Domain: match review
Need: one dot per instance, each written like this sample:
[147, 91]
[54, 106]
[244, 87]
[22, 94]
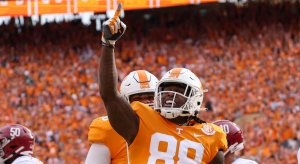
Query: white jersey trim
[27, 160]
[243, 161]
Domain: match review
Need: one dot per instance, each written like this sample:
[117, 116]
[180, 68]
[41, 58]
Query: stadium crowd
[247, 57]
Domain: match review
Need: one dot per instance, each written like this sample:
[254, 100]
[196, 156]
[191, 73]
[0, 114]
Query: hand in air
[113, 29]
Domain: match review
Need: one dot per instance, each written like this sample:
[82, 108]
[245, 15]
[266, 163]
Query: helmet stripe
[144, 81]
[175, 72]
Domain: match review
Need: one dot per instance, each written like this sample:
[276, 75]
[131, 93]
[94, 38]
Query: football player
[235, 141]
[172, 133]
[107, 145]
[16, 145]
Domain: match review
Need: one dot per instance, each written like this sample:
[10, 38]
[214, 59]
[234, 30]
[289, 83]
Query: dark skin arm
[121, 116]
[218, 159]
[229, 158]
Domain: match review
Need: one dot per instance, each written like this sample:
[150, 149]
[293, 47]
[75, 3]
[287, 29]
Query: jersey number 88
[170, 148]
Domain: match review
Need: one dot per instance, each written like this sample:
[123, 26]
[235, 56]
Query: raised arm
[121, 116]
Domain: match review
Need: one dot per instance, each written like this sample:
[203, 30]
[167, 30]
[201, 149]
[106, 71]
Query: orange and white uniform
[102, 132]
[161, 141]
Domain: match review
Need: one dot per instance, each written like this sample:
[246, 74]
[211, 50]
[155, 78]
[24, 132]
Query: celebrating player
[168, 135]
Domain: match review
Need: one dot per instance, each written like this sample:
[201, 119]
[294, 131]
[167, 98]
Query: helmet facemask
[234, 148]
[193, 96]
[3, 142]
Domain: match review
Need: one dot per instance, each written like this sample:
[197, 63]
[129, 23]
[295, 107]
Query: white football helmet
[193, 93]
[140, 81]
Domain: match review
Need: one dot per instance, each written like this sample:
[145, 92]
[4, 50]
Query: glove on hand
[113, 29]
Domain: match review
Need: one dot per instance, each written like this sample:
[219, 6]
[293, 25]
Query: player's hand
[113, 29]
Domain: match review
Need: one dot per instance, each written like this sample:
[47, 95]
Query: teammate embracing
[107, 145]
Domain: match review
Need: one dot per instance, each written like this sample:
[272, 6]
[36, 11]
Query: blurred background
[247, 54]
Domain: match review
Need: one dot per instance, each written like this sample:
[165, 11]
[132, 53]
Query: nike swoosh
[198, 135]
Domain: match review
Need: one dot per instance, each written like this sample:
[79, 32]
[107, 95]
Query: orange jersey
[102, 132]
[161, 141]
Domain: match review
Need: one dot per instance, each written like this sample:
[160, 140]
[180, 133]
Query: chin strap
[194, 119]
[187, 123]
[10, 156]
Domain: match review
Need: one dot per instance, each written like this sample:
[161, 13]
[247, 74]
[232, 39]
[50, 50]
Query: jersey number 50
[171, 146]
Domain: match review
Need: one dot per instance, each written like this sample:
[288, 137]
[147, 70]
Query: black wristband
[108, 45]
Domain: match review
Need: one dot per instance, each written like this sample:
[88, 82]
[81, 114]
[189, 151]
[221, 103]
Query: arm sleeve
[98, 153]
[298, 156]
[26, 160]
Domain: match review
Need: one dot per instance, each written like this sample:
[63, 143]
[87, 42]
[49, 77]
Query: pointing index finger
[118, 11]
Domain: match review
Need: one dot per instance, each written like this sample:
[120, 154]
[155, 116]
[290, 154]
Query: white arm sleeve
[243, 161]
[98, 153]
[298, 156]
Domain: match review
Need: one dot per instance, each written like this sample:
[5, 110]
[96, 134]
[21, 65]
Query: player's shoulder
[27, 160]
[100, 122]
[101, 132]
[137, 106]
[100, 129]
[210, 129]
[146, 113]
[215, 136]
[218, 129]
[243, 161]
[141, 108]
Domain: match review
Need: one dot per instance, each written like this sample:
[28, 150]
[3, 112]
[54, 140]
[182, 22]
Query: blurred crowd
[247, 57]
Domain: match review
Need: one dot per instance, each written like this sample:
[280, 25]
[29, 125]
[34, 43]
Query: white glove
[113, 29]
